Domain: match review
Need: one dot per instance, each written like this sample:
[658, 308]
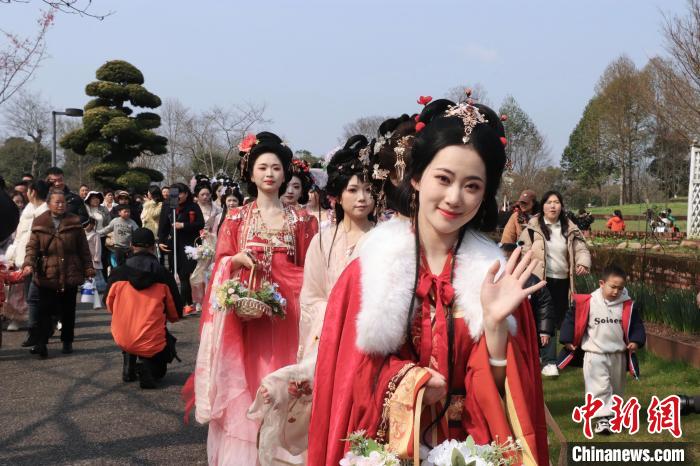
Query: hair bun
[434, 109]
[356, 143]
[266, 137]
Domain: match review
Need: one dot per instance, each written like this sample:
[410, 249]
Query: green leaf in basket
[457, 458]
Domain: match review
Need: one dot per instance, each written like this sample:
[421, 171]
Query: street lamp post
[73, 112]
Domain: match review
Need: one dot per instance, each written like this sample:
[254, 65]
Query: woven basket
[250, 308]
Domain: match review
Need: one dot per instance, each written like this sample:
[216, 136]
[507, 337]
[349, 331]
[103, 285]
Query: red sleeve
[336, 365]
[227, 239]
[486, 417]
[305, 231]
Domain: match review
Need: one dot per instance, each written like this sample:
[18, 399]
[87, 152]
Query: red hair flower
[419, 126]
[247, 143]
[504, 141]
[424, 99]
[504, 117]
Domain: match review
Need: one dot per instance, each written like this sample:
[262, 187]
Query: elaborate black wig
[441, 131]
[300, 169]
[267, 142]
[345, 164]
[390, 134]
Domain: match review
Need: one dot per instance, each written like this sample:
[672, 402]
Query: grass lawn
[678, 208]
[658, 377]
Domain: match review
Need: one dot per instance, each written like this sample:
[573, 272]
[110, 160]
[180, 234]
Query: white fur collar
[387, 259]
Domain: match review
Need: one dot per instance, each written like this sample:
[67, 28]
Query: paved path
[75, 409]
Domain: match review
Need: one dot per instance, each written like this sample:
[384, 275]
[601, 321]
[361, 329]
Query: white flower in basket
[249, 303]
[367, 452]
[201, 251]
[468, 453]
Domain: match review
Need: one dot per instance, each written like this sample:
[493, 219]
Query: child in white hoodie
[607, 327]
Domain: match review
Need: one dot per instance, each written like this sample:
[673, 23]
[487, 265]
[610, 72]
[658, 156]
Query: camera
[690, 404]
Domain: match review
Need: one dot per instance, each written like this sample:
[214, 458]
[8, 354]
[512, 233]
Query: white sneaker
[602, 427]
[550, 370]
[12, 326]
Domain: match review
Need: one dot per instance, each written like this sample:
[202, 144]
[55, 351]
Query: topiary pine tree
[111, 134]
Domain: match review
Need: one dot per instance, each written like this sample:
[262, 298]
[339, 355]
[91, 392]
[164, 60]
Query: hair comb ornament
[469, 114]
[381, 140]
[400, 151]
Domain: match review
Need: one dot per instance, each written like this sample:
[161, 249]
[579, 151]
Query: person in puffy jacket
[142, 296]
[616, 223]
[58, 256]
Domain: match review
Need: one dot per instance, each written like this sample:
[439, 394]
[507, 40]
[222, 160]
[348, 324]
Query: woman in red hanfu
[235, 355]
[421, 319]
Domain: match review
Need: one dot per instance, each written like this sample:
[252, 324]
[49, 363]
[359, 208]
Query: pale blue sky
[320, 64]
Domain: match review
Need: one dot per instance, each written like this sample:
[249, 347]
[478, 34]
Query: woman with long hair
[210, 210]
[422, 310]
[268, 241]
[561, 249]
[286, 393]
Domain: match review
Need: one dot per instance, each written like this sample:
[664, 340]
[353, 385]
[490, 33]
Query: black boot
[31, 339]
[129, 370]
[67, 347]
[146, 379]
[41, 350]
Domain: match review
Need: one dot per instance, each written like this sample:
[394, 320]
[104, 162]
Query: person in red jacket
[616, 223]
[142, 296]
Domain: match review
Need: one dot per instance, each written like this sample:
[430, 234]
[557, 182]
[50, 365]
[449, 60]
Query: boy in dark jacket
[607, 327]
[141, 296]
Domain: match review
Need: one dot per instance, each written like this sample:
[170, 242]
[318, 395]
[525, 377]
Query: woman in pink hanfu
[234, 355]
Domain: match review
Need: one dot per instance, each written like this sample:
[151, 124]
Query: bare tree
[27, 115]
[478, 93]
[678, 75]
[20, 57]
[211, 139]
[366, 126]
[76, 7]
[174, 120]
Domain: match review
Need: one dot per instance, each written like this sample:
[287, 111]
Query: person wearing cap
[526, 207]
[121, 228]
[142, 296]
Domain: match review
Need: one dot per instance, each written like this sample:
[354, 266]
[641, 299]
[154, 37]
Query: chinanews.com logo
[662, 415]
[629, 453]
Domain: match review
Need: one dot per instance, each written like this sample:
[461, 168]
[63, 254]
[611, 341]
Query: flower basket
[248, 303]
[202, 250]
